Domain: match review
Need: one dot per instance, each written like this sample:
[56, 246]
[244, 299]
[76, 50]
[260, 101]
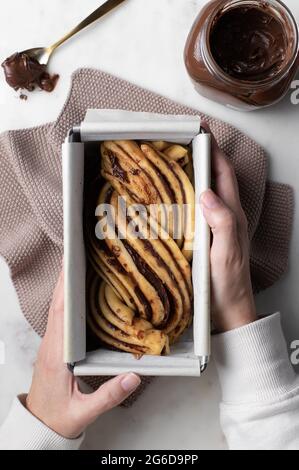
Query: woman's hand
[54, 397]
[232, 297]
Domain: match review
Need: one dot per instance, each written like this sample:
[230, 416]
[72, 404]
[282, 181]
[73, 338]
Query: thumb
[111, 394]
[221, 220]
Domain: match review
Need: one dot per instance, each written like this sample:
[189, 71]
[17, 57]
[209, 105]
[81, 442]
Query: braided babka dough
[139, 287]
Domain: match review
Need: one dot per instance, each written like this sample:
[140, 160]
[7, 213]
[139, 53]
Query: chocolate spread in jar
[249, 43]
[243, 54]
[25, 73]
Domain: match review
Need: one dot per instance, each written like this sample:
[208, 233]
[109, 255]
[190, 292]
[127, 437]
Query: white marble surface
[142, 42]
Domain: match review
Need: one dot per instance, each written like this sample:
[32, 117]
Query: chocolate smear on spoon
[26, 73]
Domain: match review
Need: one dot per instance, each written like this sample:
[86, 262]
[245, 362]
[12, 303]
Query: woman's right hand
[55, 397]
[232, 296]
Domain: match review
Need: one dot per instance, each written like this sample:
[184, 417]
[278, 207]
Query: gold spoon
[43, 54]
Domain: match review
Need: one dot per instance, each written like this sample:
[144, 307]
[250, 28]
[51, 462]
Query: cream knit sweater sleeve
[22, 431]
[260, 390]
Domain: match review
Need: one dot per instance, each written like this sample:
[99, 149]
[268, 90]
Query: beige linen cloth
[31, 235]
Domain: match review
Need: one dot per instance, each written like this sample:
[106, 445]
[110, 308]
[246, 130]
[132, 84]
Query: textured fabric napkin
[31, 233]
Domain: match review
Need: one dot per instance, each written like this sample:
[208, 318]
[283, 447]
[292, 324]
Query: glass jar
[243, 54]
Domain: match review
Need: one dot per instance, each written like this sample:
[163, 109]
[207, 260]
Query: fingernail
[130, 382]
[210, 200]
